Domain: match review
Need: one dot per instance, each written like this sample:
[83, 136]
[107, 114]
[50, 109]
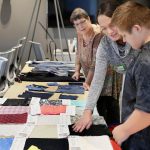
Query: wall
[19, 13]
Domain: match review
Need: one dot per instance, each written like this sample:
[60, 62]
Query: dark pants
[108, 107]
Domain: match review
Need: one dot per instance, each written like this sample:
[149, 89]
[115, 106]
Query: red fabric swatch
[13, 118]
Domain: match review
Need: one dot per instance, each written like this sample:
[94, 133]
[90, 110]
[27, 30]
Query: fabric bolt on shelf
[52, 110]
[47, 144]
[13, 118]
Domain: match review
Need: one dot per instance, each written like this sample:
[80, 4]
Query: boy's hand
[120, 134]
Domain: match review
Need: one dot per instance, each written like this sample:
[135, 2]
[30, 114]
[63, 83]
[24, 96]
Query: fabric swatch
[35, 87]
[14, 109]
[33, 148]
[17, 102]
[5, 143]
[70, 89]
[52, 84]
[50, 102]
[71, 97]
[47, 144]
[13, 118]
[42, 95]
[94, 130]
[52, 110]
[44, 131]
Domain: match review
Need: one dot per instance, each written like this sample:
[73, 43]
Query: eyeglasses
[80, 23]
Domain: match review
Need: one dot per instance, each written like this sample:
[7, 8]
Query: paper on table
[25, 131]
[54, 119]
[64, 119]
[71, 110]
[32, 119]
[35, 100]
[35, 109]
[10, 129]
[90, 142]
[2, 100]
[18, 144]
[63, 131]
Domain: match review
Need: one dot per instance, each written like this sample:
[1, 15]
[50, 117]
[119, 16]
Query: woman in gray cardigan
[112, 50]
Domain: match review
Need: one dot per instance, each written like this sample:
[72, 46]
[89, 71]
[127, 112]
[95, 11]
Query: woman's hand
[84, 122]
[76, 76]
[86, 86]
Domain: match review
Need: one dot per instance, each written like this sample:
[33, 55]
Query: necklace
[88, 40]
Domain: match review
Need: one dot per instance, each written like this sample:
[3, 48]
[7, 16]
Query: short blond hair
[129, 14]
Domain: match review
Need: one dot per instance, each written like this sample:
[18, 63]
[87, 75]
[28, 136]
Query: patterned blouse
[86, 54]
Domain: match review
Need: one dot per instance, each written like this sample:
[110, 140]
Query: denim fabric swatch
[29, 94]
[5, 143]
[94, 130]
[35, 87]
[70, 89]
[71, 97]
[52, 84]
[17, 102]
[47, 144]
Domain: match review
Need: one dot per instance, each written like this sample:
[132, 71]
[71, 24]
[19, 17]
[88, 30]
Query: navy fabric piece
[47, 144]
[70, 89]
[71, 97]
[76, 83]
[29, 94]
[5, 143]
[17, 102]
[35, 87]
[52, 84]
[94, 130]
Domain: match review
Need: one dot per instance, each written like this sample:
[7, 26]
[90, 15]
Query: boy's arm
[137, 121]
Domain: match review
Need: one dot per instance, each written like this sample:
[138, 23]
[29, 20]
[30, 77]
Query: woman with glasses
[111, 51]
[89, 36]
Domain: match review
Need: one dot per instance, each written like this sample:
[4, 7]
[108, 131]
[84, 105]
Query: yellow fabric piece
[33, 148]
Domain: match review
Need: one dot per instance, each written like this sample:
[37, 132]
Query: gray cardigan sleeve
[99, 77]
